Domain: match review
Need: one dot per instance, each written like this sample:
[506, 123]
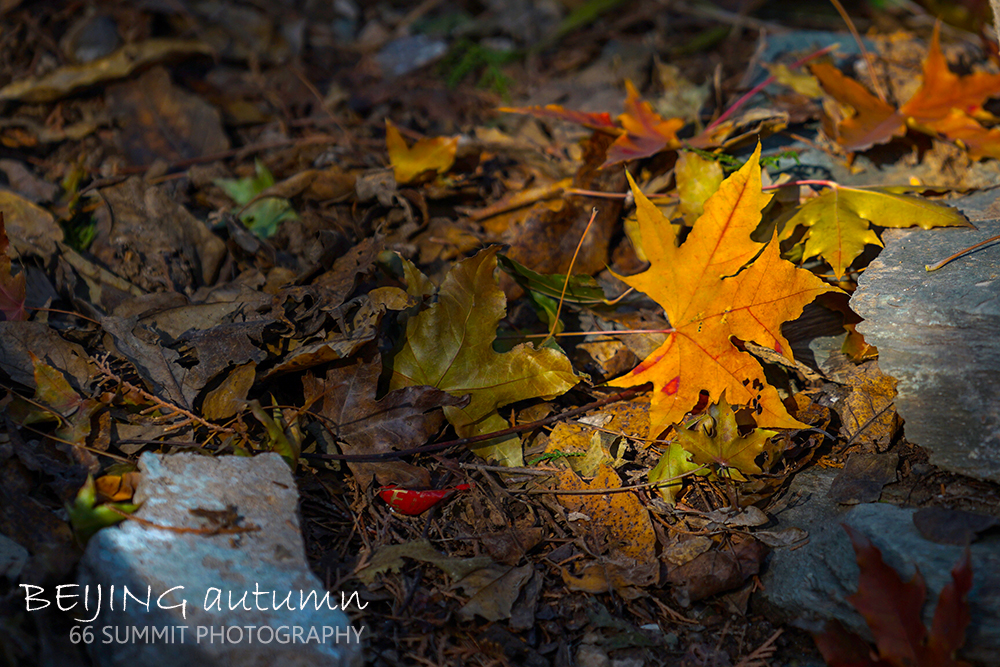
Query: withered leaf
[403, 418]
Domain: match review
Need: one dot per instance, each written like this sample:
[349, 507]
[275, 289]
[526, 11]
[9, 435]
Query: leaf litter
[363, 272]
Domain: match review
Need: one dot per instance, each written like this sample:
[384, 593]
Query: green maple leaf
[450, 346]
[724, 448]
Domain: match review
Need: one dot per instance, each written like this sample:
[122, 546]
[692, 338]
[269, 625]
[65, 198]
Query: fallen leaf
[618, 520]
[646, 132]
[944, 104]
[87, 517]
[698, 178]
[863, 477]
[595, 121]
[12, 287]
[131, 57]
[450, 346]
[409, 162]
[867, 414]
[717, 570]
[390, 559]
[261, 216]
[709, 301]
[838, 222]
[720, 445]
[892, 610]
[162, 121]
[494, 590]
[673, 463]
[402, 419]
[874, 121]
[946, 526]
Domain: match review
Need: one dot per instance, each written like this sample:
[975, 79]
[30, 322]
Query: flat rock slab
[243, 599]
[810, 584]
[937, 334]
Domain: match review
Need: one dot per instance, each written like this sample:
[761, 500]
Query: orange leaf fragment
[409, 162]
[874, 121]
[12, 288]
[717, 286]
[595, 121]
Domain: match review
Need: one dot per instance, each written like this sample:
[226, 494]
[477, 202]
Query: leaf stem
[865, 53]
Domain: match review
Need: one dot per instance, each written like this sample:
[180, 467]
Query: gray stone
[937, 333]
[810, 584]
[150, 561]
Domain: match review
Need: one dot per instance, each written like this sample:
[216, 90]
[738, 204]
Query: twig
[441, 446]
[102, 365]
[219, 530]
[938, 265]
[569, 275]
[509, 471]
[861, 45]
[616, 489]
[759, 657]
[764, 84]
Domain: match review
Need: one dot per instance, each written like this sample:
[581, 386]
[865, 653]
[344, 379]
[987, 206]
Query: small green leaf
[263, 217]
[87, 519]
[673, 463]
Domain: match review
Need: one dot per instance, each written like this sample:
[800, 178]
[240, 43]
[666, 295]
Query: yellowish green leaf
[717, 442]
[673, 463]
[450, 346]
[838, 222]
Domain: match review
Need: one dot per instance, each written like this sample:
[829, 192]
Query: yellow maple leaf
[408, 162]
[719, 285]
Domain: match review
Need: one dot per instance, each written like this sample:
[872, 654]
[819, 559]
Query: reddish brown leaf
[943, 91]
[945, 104]
[403, 418]
[951, 616]
[892, 609]
[841, 648]
[646, 132]
[889, 606]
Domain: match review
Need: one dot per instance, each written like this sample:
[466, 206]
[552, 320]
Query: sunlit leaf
[427, 155]
[838, 222]
[717, 286]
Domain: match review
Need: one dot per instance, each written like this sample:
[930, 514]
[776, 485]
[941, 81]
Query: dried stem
[105, 369]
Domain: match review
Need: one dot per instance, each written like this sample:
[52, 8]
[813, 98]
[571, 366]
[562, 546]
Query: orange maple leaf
[945, 104]
[717, 286]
